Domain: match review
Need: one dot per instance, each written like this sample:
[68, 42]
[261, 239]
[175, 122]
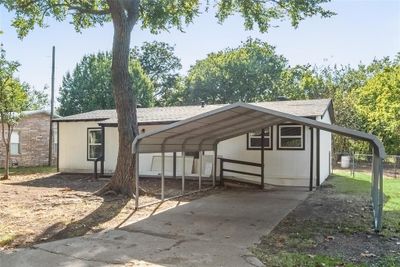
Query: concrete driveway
[217, 230]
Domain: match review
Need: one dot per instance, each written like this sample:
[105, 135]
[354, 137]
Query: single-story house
[30, 140]
[287, 145]
[288, 142]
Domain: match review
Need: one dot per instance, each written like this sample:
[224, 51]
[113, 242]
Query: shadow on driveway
[217, 230]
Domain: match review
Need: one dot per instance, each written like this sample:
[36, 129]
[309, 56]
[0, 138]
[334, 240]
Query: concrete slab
[217, 230]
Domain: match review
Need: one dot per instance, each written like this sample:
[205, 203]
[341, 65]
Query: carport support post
[311, 158]
[137, 176]
[162, 174]
[318, 182]
[262, 158]
[215, 165]
[174, 164]
[200, 167]
[183, 172]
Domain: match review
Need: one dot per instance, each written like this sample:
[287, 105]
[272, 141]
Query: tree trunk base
[4, 178]
[109, 190]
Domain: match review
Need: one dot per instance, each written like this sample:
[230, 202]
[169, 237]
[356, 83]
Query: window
[94, 148]
[254, 140]
[14, 144]
[291, 137]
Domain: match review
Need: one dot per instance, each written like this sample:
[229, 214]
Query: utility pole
[52, 106]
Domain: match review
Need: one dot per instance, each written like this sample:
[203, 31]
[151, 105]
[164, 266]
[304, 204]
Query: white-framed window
[254, 140]
[15, 148]
[290, 137]
[94, 143]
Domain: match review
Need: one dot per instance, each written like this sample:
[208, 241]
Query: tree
[89, 86]
[13, 99]
[156, 16]
[301, 82]
[248, 73]
[161, 65]
[37, 99]
[378, 105]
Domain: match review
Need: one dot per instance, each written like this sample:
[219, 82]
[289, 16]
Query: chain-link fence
[354, 162]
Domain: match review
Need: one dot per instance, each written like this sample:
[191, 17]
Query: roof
[205, 130]
[303, 108]
[41, 111]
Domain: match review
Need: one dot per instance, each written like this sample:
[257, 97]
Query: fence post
[395, 166]
[352, 163]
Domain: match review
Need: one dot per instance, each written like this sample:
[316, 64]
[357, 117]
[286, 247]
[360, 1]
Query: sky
[361, 31]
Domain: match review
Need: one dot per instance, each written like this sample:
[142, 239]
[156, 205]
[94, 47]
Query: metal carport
[203, 132]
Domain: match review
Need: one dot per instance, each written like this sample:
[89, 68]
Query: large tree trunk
[123, 180]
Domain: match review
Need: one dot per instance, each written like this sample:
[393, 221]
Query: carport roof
[204, 131]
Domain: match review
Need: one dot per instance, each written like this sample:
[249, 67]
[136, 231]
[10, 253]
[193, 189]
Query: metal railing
[222, 169]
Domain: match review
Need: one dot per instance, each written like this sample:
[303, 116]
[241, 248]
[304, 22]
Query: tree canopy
[89, 88]
[155, 16]
[13, 100]
[378, 105]
[248, 73]
[161, 65]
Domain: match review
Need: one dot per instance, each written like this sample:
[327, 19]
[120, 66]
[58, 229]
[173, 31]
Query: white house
[287, 157]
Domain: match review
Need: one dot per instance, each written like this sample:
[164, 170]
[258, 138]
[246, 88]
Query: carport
[203, 133]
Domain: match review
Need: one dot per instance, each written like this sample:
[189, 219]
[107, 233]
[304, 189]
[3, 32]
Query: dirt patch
[43, 207]
[335, 227]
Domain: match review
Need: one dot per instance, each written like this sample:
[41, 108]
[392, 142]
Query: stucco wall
[34, 141]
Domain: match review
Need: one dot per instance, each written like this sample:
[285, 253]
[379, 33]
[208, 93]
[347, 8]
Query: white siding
[325, 148]
[282, 167]
[111, 150]
[73, 146]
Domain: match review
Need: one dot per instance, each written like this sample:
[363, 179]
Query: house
[286, 156]
[30, 140]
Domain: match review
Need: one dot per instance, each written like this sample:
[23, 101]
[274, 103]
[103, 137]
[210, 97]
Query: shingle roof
[41, 111]
[303, 108]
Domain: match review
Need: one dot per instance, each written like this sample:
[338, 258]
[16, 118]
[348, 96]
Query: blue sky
[360, 32]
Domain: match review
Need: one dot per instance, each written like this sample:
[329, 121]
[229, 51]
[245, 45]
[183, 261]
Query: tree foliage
[248, 73]
[156, 16]
[161, 65]
[89, 88]
[37, 99]
[13, 100]
[378, 105]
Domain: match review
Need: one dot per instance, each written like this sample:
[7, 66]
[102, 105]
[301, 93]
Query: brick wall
[34, 141]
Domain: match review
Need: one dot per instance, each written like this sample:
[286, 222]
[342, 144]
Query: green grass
[284, 259]
[292, 251]
[29, 170]
[360, 185]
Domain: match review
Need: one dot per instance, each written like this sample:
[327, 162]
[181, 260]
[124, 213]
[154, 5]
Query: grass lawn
[39, 205]
[333, 227]
[29, 170]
